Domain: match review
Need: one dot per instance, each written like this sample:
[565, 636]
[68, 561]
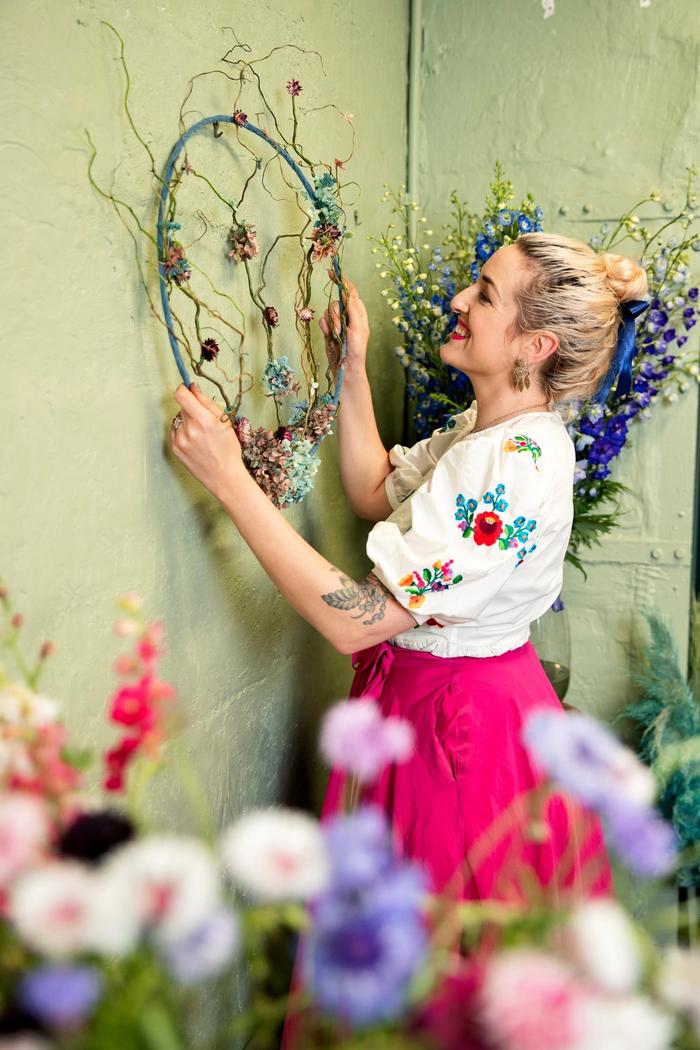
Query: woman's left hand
[204, 442]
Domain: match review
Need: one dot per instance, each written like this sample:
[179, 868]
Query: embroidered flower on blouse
[523, 443]
[437, 578]
[488, 528]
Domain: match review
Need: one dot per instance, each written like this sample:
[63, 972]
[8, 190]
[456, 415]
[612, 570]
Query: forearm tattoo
[369, 596]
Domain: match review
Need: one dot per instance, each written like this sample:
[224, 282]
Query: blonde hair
[575, 293]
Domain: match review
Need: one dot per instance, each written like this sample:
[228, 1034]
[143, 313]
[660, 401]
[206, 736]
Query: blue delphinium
[368, 937]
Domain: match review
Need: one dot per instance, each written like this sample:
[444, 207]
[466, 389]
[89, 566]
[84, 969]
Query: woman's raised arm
[364, 462]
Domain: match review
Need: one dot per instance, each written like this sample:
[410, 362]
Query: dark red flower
[487, 528]
[239, 117]
[271, 316]
[209, 349]
[450, 1015]
[293, 87]
[91, 835]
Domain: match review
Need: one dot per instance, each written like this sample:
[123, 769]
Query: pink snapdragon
[356, 738]
[137, 705]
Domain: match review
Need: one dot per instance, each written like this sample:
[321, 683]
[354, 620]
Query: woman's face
[480, 345]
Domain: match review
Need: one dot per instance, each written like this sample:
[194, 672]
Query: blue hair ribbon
[624, 352]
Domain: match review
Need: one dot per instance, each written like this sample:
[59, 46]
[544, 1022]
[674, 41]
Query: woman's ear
[542, 346]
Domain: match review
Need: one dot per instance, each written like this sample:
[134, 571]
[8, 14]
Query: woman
[472, 527]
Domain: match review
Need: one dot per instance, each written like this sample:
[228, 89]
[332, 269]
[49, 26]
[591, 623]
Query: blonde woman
[472, 525]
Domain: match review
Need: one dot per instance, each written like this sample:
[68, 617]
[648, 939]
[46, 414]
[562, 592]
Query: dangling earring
[521, 374]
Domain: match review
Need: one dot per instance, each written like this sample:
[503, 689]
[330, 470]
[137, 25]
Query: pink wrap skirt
[462, 804]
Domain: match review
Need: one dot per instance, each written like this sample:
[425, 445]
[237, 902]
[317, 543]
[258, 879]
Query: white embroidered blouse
[474, 546]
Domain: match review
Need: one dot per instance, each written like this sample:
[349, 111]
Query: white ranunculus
[625, 1022]
[602, 940]
[20, 706]
[49, 906]
[678, 981]
[24, 831]
[277, 853]
[173, 880]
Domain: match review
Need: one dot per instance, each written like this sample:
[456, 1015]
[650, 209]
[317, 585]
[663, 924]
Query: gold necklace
[508, 415]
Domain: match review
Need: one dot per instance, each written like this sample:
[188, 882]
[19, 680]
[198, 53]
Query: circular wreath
[282, 461]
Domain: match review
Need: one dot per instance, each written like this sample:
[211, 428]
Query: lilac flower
[646, 843]
[367, 937]
[586, 759]
[356, 738]
[360, 848]
[206, 950]
[61, 996]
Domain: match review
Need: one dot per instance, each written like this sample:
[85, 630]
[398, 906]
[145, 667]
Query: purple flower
[359, 965]
[586, 759]
[354, 737]
[692, 293]
[360, 848]
[61, 996]
[646, 843]
[206, 950]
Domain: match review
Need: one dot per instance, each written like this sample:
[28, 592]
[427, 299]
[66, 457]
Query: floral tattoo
[369, 596]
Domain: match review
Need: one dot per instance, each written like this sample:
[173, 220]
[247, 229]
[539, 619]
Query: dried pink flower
[271, 317]
[306, 313]
[293, 87]
[242, 239]
[325, 238]
[239, 117]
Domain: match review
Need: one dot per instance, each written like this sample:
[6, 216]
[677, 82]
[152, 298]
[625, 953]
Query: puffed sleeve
[410, 465]
[474, 521]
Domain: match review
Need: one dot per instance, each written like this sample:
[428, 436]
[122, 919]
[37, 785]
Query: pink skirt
[462, 804]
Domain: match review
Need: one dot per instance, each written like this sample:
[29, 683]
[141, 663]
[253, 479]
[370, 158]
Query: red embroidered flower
[487, 528]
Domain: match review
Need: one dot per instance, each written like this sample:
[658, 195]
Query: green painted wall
[591, 107]
[90, 504]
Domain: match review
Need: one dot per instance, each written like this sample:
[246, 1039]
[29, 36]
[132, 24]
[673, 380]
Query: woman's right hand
[357, 331]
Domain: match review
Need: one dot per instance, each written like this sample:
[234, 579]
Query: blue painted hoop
[225, 118]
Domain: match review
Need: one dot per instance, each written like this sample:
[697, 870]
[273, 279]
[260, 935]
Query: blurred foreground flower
[584, 758]
[277, 854]
[356, 738]
[368, 937]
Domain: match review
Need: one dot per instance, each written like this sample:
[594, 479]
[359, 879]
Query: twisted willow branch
[162, 207]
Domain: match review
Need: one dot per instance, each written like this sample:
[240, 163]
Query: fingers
[207, 402]
[353, 303]
[187, 401]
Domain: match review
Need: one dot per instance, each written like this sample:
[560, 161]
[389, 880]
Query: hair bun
[626, 277]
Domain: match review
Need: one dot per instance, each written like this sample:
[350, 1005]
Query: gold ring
[224, 417]
[353, 297]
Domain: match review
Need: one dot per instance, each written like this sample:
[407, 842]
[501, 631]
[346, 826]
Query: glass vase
[551, 638]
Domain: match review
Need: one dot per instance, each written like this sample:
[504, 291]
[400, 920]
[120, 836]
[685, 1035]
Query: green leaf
[159, 1029]
[427, 575]
[458, 579]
